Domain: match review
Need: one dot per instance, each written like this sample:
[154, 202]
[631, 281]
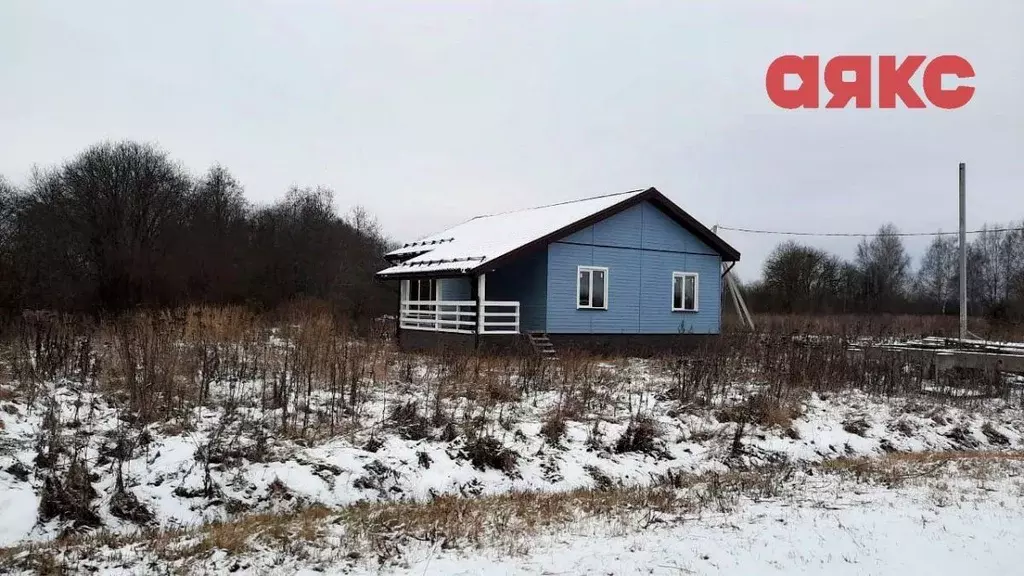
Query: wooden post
[403, 297]
[481, 298]
[741, 305]
[737, 298]
[437, 303]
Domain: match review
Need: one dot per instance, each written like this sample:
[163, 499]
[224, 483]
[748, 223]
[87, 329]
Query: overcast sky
[430, 113]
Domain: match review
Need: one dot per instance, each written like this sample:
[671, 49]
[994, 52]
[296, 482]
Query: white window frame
[433, 285]
[696, 292]
[412, 292]
[591, 269]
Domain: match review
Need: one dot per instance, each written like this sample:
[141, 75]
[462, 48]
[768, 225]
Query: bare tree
[7, 201]
[995, 270]
[104, 225]
[938, 270]
[8, 225]
[1011, 258]
[121, 225]
[988, 276]
[800, 278]
[217, 236]
[885, 269]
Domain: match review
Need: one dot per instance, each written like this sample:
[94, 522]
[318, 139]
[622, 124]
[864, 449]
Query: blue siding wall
[456, 288]
[621, 230]
[641, 247]
[524, 280]
[656, 295]
[623, 313]
[660, 232]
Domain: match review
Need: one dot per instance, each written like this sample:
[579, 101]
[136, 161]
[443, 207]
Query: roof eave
[397, 258]
[424, 274]
[724, 249]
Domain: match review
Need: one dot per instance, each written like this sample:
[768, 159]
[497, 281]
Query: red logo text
[849, 78]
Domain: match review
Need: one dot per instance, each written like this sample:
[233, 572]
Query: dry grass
[505, 521]
[243, 534]
[897, 468]
[314, 374]
[161, 364]
[880, 324]
[312, 377]
[762, 410]
[284, 531]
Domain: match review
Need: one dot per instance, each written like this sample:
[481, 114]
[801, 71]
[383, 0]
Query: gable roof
[486, 242]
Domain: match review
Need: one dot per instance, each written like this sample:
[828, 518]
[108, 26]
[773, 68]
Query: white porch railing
[501, 317]
[459, 316]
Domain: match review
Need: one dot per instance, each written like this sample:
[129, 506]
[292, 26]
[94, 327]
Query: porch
[460, 316]
[455, 305]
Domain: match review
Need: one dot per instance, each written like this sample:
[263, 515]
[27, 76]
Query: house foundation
[636, 345]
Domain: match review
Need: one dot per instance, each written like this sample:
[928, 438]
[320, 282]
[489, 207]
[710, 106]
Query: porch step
[542, 344]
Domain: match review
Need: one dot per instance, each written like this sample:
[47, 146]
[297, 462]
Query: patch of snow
[878, 533]
[484, 238]
[951, 525]
[18, 505]
[168, 477]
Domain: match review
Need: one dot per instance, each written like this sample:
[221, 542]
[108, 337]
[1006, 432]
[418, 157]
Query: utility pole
[963, 252]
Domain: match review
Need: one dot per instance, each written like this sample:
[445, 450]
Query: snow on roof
[418, 247]
[484, 238]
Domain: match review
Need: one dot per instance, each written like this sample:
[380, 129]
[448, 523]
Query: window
[684, 292]
[592, 288]
[424, 289]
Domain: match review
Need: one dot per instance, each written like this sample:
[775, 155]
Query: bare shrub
[601, 480]
[703, 375]
[583, 384]
[858, 426]
[764, 410]
[553, 428]
[994, 436]
[125, 505]
[449, 433]
[962, 437]
[640, 435]
[488, 452]
[44, 347]
[147, 357]
[409, 423]
[69, 497]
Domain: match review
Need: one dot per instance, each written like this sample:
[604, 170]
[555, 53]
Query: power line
[852, 235]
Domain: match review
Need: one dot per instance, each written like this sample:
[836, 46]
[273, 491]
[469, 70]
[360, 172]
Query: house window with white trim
[424, 290]
[416, 291]
[684, 291]
[592, 288]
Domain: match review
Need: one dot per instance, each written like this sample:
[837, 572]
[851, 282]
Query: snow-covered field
[943, 516]
[226, 461]
[832, 528]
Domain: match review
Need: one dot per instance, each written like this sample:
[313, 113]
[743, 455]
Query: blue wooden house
[629, 271]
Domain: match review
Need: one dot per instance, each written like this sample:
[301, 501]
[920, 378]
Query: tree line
[122, 226]
[881, 278]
